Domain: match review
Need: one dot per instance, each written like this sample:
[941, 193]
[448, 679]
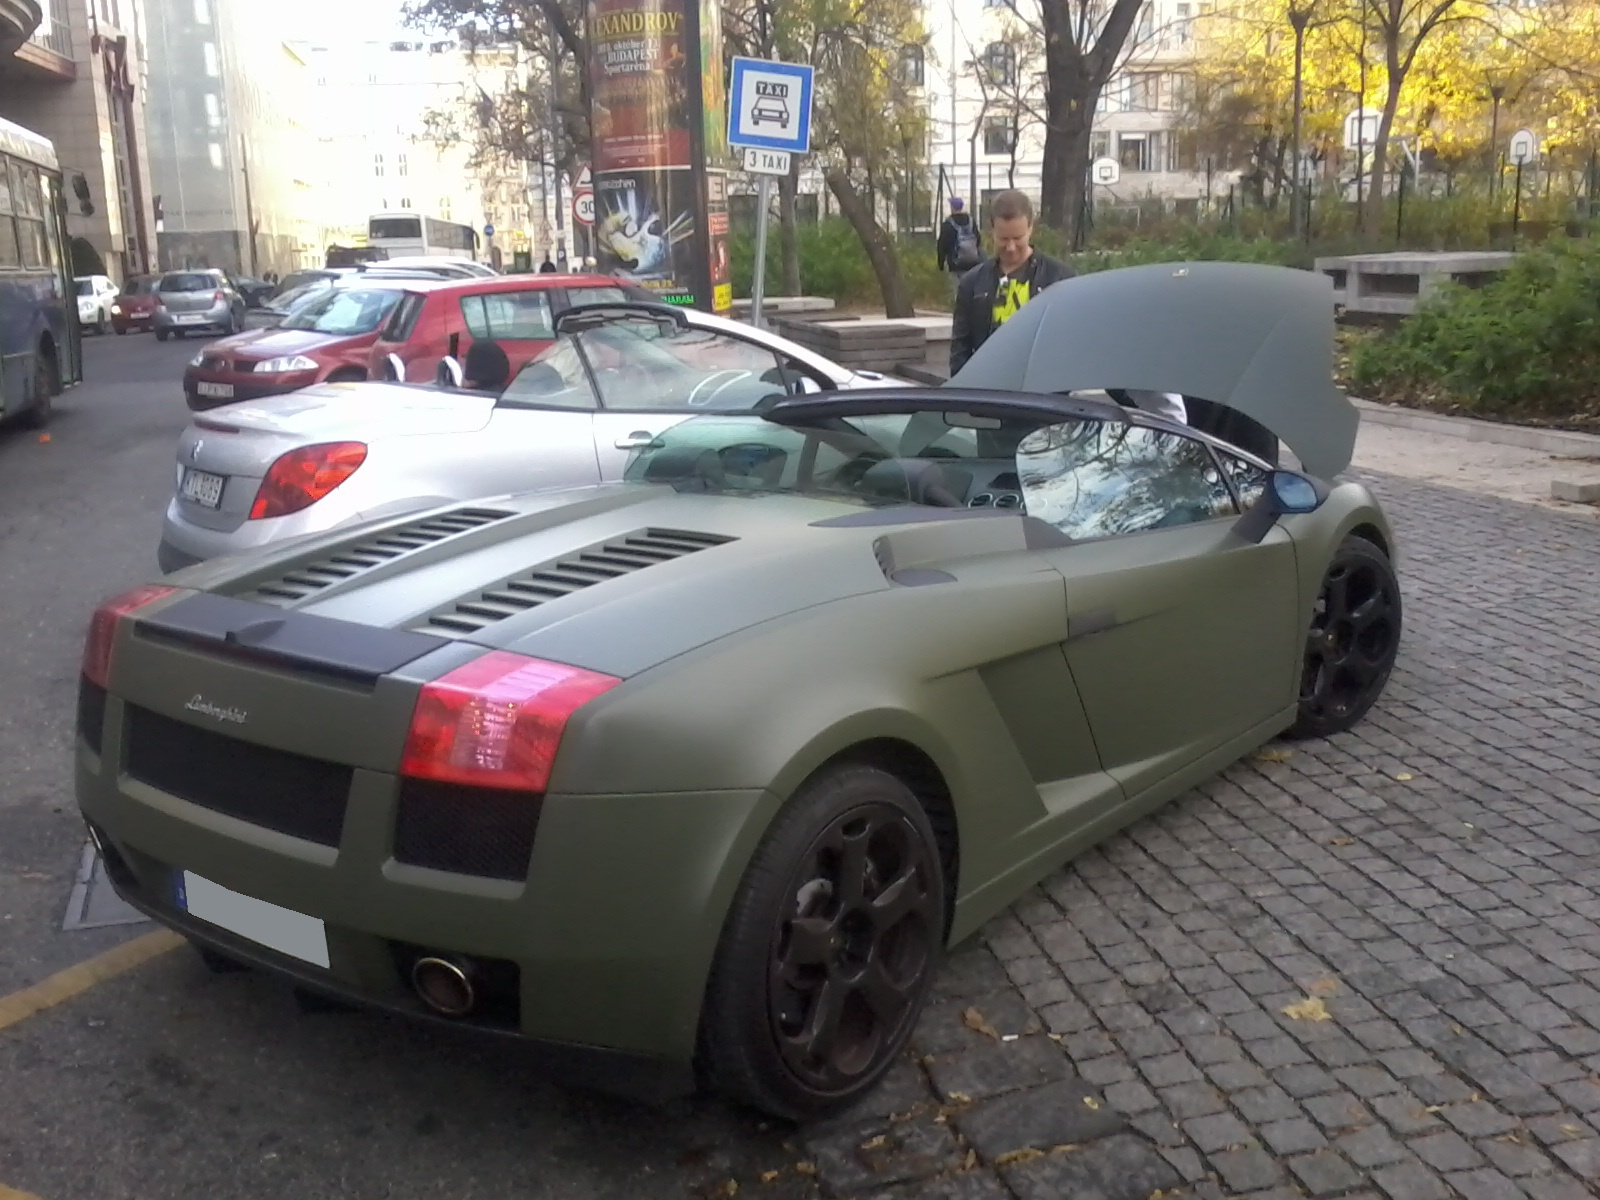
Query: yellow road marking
[74, 981]
[12, 1194]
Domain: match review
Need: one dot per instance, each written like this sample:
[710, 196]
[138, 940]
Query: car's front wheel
[829, 948]
[1353, 640]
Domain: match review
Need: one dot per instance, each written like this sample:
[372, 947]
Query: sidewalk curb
[1544, 441]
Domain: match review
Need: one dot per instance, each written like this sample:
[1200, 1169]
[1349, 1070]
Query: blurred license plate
[217, 391]
[281, 929]
[203, 487]
[191, 319]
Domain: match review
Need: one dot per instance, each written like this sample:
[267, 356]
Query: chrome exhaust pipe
[444, 985]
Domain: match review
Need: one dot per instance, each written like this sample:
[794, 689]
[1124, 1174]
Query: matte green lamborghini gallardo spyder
[689, 780]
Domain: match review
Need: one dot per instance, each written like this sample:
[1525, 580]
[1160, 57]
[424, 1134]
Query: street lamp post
[1299, 18]
[1497, 94]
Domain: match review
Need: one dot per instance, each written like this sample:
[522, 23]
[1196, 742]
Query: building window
[912, 66]
[216, 155]
[213, 110]
[999, 135]
[1183, 25]
[1099, 144]
[1133, 151]
[400, 166]
[1147, 23]
[1143, 91]
[405, 202]
[377, 165]
[1000, 61]
[202, 12]
[209, 51]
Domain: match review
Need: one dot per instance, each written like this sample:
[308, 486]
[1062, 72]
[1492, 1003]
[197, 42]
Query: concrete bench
[1394, 284]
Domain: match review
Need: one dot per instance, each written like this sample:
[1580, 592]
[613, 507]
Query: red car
[135, 304]
[439, 320]
[324, 338]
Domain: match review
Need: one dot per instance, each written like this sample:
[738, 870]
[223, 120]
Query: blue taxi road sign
[769, 105]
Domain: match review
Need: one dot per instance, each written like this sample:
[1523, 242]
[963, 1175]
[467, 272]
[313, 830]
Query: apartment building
[232, 145]
[76, 72]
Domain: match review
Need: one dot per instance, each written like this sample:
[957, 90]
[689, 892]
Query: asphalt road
[1368, 967]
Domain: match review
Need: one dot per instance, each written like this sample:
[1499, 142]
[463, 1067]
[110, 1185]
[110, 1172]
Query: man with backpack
[959, 247]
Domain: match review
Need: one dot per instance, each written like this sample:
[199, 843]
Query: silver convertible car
[339, 454]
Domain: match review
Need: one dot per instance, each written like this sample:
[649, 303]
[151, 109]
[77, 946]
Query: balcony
[53, 34]
[18, 20]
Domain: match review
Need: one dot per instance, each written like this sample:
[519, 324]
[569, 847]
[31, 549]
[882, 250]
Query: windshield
[85, 286]
[346, 312]
[137, 287]
[1089, 477]
[642, 364]
[289, 301]
[188, 283]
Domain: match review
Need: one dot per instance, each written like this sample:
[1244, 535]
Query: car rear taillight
[305, 475]
[497, 721]
[219, 298]
[103, 628]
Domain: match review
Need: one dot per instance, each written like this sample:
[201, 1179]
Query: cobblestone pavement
[1367, 967]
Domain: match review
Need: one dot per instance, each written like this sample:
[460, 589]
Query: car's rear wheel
[829, 948]
[1353, 640]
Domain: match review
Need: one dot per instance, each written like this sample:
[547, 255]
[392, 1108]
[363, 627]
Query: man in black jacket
[994, 291]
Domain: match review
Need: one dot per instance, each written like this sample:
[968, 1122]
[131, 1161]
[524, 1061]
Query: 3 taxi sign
[769, 105]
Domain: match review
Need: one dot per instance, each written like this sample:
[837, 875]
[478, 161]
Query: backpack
[968, 253]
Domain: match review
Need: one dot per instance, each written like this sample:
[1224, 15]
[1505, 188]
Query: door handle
[637, 440]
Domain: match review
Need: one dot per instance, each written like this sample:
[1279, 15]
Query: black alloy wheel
[829, 950]
[1353, 640]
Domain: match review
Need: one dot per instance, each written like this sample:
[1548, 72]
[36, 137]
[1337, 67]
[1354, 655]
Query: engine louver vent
[312, 578]
[575, 573]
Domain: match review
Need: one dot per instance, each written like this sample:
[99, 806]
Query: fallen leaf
[960, 1098]
[769, 1176]
[1018, 1156]
[973, 1020]
[730, 1188]
[1342, 841]
[806, 1168]
[1572, 1129]
[874, 1143]
[1405, 777]
[971, 1160]
[1310, 1009]
[1274, 755]
[1091, 1102]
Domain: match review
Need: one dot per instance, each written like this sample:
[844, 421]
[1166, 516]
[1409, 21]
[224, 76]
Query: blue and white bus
[41, 348]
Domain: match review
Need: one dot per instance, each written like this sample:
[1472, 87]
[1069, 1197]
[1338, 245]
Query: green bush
[1524, 344]
[833, 264]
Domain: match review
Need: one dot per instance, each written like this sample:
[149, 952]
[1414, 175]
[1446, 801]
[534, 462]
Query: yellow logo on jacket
[1009, 298]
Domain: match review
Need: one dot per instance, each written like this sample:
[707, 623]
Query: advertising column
[660, 151]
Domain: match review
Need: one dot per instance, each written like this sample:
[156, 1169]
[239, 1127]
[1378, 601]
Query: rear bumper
[634, 1076]
[611, 934]
[215, 318]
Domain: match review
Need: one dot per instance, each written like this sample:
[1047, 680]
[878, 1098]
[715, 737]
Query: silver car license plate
[281, 929]
[217, 391]
[202, 487]
[190, 319]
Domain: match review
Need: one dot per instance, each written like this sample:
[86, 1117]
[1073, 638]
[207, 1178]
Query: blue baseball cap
[957, 203]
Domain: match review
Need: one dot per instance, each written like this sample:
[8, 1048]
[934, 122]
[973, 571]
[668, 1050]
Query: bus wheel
[44, 391]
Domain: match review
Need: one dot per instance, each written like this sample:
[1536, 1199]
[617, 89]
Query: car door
[1184, 638]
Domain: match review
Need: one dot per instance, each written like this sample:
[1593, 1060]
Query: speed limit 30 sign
[583, 206]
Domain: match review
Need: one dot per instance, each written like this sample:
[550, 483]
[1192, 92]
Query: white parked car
[338, 454]
[96, 295]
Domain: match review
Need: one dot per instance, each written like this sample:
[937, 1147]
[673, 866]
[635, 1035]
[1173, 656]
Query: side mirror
[393, 369]
[1287, 493]
[449, 373]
